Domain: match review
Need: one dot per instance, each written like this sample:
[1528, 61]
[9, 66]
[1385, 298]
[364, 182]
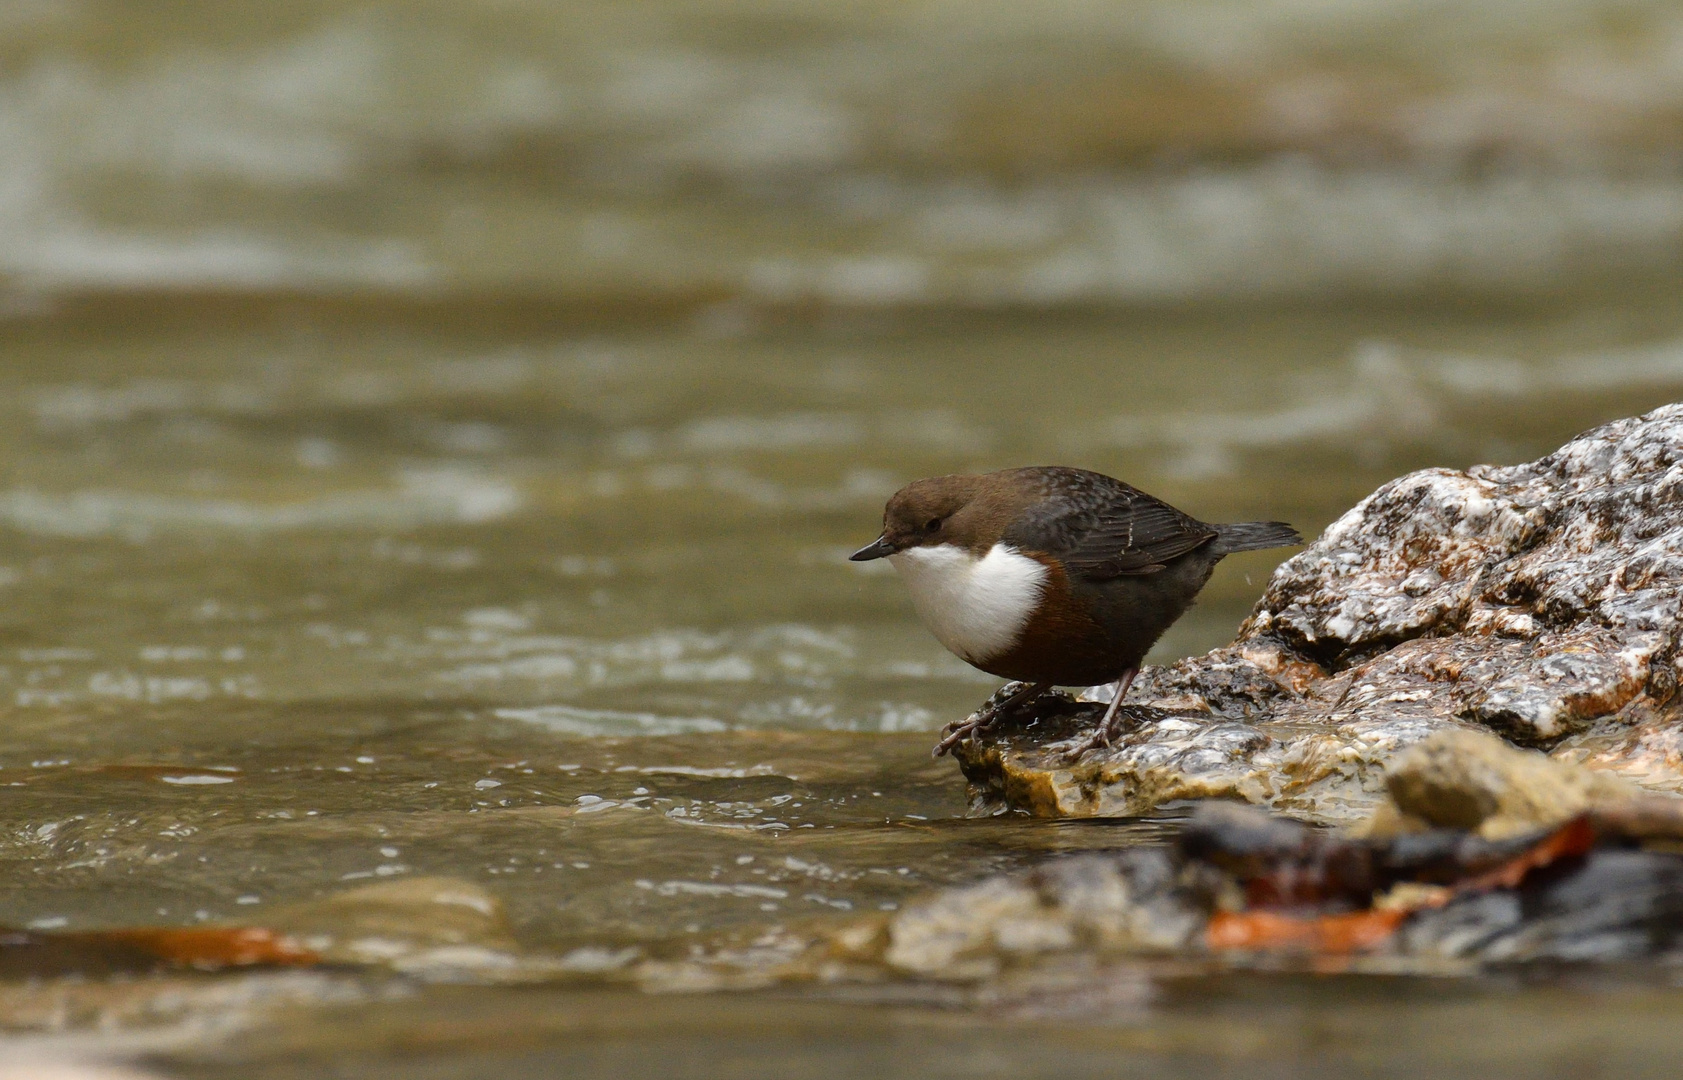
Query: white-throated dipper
[1052, 576]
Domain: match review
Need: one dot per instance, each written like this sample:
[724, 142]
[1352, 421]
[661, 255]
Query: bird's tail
[1254, 536]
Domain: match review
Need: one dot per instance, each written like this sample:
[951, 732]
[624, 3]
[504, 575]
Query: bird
[1051, 576]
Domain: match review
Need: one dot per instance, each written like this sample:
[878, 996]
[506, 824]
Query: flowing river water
[431, 437]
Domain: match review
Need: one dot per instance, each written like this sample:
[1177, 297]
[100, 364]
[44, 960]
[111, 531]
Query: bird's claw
[1092, 742]
[959, 730]
[1111, 726]
[1101, 738]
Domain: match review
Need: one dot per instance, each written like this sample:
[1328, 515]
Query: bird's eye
[934, 523]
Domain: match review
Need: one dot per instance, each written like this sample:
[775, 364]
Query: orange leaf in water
[212, 947]
[1351, 932]
[1360, 930]
[1576, 837]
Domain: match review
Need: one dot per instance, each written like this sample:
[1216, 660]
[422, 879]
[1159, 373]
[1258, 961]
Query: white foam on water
[484, 656]
[572, 720]
[439, 496]
[1656, 365]
[777, 677]
[82, 405]
[1387, 393]
[85, 257]
[812, 430]
[719, 772]
[780, 129]
[857, 487]
[1518, 139]
[27, 1064]
[787, 432]
[1276, 230]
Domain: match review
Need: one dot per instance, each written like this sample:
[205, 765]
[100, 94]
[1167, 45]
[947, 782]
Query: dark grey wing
[1140, 542]
[1102, 528]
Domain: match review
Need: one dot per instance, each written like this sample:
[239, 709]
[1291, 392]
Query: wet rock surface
[1458, 869]
[1474, 781]
[1542, 602]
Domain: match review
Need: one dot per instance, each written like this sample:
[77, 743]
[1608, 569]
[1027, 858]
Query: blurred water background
[981, 155]
[407, 408]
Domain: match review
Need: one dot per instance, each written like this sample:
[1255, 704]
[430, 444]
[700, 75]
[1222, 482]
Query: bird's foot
[1111, 726]
[1101, 736]
[960, 730]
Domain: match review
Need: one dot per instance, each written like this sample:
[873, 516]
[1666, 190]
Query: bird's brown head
[967, 511]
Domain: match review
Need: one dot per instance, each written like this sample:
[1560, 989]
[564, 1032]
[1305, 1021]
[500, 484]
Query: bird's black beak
[876, 549]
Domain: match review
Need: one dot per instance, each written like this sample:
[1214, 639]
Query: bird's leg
[1109, 727]
[959, 730]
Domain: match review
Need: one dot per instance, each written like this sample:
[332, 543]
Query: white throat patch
[976, 607]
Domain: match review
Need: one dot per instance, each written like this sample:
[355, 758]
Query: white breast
[976, 607]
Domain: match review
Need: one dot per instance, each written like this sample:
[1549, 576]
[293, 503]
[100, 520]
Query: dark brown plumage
[1116, 568]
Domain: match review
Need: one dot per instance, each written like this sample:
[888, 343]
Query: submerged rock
[1458, 870]
[1542, 602]
[431, 927]
[1121, 904]
[1242, 887]
[426, 926]
[1479, 852]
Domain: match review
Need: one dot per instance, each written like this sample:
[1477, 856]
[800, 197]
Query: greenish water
[1192, 1028]
[431, 436]
[875, 152]
[295, 601]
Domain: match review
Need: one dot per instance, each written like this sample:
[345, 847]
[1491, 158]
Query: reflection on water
[431, 437]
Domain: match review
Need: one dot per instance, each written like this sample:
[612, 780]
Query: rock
[1242, 886]
[1542, 602]
[1472, 780]
[1087, 905]
[425, 926]
[428, 927]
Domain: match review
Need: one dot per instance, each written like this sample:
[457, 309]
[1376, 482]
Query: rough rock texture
[1121, 904]
[1491, 855]
[1538, 601]
[1468, 780]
